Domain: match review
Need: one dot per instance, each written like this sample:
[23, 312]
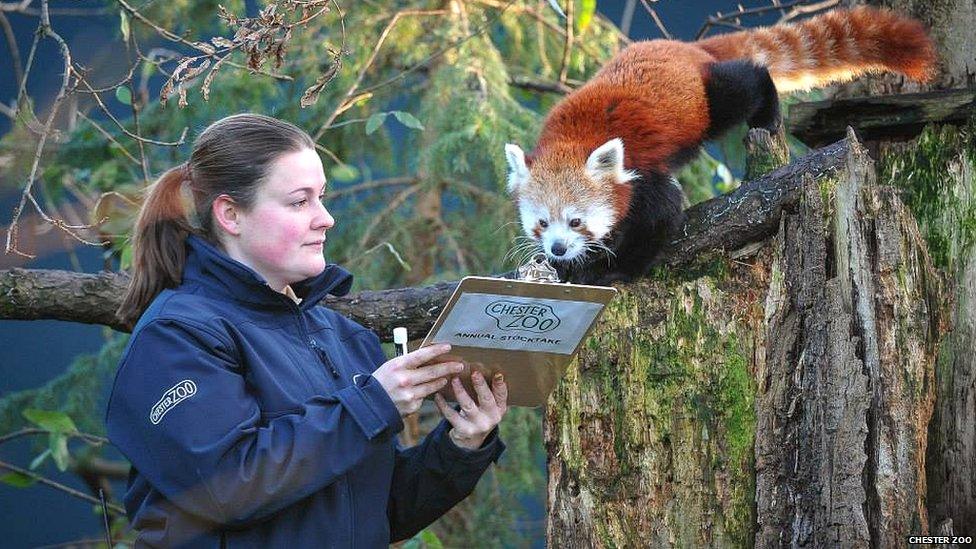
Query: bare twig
[23, 8]
[731, 19]
[397, 201]
[808, 9]
[85, 542]
[352, 99]
[8, 33]
[542, 20]
[533, 84]
[372, 185]
[118, 510]
[348, 99]
[109, 136]
[657, 20]
[46, 30]
[568, 44]
[94, 440]
[125, 130]
[474, 190]
[459, 254]
[136, 103]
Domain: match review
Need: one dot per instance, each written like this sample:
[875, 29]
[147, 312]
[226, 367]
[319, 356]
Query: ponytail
[159, 244]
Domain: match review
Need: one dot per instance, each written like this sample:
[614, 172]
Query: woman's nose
[323, 220]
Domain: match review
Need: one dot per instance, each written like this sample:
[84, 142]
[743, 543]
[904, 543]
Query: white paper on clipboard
[529, 331]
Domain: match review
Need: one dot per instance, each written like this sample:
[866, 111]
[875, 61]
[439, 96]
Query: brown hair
[231, 157]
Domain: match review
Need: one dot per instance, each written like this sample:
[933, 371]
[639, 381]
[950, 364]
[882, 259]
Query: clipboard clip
[538, 269]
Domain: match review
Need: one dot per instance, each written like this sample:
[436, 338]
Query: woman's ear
[227, 214]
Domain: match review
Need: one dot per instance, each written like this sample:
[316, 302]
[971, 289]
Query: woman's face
[283, 234]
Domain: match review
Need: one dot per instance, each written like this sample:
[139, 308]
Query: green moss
[681, 382]
[828, 190]
[931, 176]
[713, 265]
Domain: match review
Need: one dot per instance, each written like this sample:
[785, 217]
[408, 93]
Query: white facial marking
[530, 214]
[597, 220]
[518, 171]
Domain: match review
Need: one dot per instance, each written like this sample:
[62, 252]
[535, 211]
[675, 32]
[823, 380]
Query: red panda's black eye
[575, 222]
[543, 223]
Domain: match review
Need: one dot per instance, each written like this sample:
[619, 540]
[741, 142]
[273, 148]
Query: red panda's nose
[558, 249]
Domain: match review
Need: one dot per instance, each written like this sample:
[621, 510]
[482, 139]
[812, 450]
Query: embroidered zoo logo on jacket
[175, 395]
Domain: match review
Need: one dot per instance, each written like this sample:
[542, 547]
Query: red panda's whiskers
[523, 249]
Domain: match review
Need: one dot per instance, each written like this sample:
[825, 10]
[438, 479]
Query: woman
[252, 416]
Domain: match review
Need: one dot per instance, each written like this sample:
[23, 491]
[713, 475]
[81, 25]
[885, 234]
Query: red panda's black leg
[740, 91]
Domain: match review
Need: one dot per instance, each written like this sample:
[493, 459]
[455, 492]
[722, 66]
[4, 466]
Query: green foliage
[425, 539]
[60, 426]
[17, 480]
[74, 396]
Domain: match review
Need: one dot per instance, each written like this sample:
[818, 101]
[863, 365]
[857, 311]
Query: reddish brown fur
[836, 46]
[645, 95]
[652, 95]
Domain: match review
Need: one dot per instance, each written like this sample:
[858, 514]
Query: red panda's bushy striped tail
[834, 47]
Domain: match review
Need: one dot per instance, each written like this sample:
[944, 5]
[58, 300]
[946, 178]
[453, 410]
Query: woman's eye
[543, 223]
[575, 222]
[300, 203]
[322, 198]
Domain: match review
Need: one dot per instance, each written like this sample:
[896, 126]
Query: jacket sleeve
[434, 476]
[181, 412]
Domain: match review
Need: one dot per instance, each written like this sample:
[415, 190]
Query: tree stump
[780, 397]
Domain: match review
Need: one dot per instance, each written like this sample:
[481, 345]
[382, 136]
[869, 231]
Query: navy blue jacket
[251, 421]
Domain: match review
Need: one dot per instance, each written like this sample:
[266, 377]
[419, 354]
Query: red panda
[596, 193]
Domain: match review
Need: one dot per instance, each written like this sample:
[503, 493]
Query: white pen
[400, 341]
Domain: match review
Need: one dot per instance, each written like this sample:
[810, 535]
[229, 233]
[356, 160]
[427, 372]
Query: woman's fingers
[435, 371]
[486, 399]
[424, 355]
[450, 414]
[500, 390]
[423, 390]
[468, 405]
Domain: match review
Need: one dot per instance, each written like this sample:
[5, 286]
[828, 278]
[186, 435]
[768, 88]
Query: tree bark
[789, 389]
[935, 173]
[880, 118]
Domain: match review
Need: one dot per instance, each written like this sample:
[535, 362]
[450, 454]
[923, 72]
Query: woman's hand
[476, 419]
[407, 379]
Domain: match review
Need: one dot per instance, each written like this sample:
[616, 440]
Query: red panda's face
[568, 209]
[565, 231]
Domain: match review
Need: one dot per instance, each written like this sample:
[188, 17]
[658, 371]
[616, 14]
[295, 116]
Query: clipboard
[528, 331]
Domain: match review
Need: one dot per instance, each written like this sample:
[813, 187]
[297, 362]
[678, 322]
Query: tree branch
[724, 224]
[57, 485]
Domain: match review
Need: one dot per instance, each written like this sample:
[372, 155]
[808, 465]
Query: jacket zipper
[319, 352]
[324, 357]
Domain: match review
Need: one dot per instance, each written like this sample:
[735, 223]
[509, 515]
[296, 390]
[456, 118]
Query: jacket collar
[210, 267]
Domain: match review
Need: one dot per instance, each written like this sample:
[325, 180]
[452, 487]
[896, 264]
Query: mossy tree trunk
[773, 397]
[935, 175]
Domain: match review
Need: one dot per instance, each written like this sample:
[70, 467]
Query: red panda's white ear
[518, 170]
[608, 161]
